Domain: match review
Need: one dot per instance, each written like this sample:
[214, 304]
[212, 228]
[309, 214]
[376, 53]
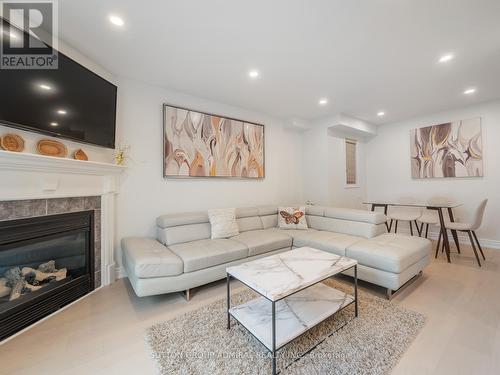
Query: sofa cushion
[269, 221]
[390, 252]
[355, 215]
[184, 233]
[201, 254]
[350, 227]
[173, 220]
[247, 212]
[263, 241]
[149, 258]
[267, 210]
[335, 243]
[249, 223]
[315, 210]
[291, 232]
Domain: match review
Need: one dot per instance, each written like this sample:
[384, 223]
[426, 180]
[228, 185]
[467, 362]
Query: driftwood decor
[198, 144]
[80, 155]
[49, 147]
[12, 142]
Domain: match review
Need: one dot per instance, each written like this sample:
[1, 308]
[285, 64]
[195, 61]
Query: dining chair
[405, 213]
[431, 217]
[469, 228]
[428, 218]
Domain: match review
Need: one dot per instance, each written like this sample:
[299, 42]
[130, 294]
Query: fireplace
[46, 262]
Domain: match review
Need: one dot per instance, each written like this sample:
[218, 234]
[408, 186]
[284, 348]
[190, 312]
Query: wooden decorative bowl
[48, 147]
[12, 142]
[80, 155]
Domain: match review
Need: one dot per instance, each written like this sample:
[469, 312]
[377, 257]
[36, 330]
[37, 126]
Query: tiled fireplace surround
[21, 209]
[34, 185]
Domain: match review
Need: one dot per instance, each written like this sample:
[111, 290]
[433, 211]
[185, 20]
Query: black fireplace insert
[45, 263]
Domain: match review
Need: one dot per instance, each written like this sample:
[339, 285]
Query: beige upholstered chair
[470, 228]
[431, 217]
[405, 213]
[428, 218]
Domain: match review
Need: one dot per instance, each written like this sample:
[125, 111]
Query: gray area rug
[199, 343]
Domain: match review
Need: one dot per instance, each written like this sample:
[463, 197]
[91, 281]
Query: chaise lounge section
[183, 255]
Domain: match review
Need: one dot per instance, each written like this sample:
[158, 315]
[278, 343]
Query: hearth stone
[97, 281]
[92, 203]
[10, 210]
[63, 205]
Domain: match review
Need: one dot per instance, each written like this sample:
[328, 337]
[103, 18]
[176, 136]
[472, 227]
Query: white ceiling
[365, 56]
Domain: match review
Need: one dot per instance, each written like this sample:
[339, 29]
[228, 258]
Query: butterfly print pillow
[292, 218]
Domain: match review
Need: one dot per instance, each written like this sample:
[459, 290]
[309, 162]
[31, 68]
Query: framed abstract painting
[452, 149]
[197, 144]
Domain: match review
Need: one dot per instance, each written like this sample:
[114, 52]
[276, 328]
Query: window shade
[350, 161]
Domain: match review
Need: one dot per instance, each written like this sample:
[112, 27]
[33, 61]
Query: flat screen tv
[70, 102]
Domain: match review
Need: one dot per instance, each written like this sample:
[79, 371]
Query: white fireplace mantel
[39, 163]
[30, 176]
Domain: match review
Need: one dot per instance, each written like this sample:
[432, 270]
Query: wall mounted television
[70, 102]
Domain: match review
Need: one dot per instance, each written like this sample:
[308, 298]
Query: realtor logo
[28, 34]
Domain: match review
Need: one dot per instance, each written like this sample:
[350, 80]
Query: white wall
[324, 168]
[145, 194]
[388, 173]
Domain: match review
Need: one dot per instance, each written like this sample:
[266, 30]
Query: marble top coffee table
[293, 299]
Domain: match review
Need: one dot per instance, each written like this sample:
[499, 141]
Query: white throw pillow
[223, 222]
[292, 218]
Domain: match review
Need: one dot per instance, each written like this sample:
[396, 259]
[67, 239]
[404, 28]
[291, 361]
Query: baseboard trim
[120, 272]
[462, 238]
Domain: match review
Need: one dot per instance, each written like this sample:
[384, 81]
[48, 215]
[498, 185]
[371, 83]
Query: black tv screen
[69, 102]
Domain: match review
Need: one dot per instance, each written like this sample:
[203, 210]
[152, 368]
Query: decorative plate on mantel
[80, 155]
[12, 142]
[48, 147]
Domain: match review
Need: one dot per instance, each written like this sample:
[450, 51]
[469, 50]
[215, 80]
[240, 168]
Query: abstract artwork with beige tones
[452, 149]
[198, 144]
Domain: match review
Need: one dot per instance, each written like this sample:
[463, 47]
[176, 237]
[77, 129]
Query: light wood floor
[104, 333]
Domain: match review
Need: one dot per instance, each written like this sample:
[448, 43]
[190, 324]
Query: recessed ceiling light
[381, 113]
[253, 73]
[45, 87]
[446, 58]
[54, 124]
[115, 20]
[61, 111]
[323, 101]
[470, 91]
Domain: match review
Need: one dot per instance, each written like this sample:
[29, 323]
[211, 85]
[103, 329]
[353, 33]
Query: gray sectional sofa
[183, 256]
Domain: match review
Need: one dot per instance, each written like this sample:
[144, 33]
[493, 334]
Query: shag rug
[198, 342]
